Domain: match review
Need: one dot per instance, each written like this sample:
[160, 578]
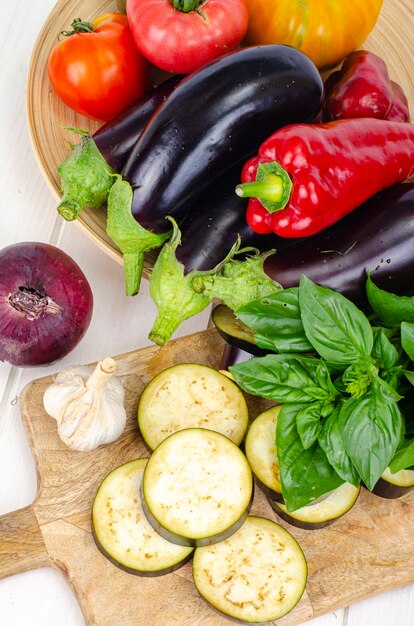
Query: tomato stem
[78, 26]
[186, 6]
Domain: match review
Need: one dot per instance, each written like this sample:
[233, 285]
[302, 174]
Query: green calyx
[172, 292]
[86, 178]
[236, 283]
[77, 26]
[186, 6]
[272, 187]
[131, 238]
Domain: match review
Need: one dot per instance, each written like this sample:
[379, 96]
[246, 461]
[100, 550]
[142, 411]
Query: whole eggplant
[378, 236]
[215, 117]
[88, 173]
[116, 138]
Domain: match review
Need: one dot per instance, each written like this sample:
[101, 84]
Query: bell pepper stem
[272, 187]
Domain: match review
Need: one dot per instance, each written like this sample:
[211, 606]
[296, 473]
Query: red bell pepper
[307, 177]
[362, 88]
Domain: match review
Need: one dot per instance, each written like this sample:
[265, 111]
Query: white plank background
[119, 324]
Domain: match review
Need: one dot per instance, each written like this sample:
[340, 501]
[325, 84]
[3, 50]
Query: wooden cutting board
[368, 551]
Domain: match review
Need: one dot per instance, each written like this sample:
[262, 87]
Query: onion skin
[51, 330]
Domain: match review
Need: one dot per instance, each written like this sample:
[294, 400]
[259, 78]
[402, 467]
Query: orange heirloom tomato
[326, 30]
[96, 69]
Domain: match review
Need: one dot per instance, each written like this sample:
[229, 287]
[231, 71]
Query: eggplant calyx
[172, 292]
[86, 178]
[237, 282]
[131, 238]
[272, 187]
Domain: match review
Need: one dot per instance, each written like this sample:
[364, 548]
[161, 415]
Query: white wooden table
[119, 324]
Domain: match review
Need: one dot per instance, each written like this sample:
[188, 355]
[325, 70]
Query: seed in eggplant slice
[197, 487]
[121, 530]
[191, 396]
[261, 452]
[323, 512]
[257, 575]
[394, 485]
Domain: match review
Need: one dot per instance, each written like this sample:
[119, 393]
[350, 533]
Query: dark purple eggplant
[116, 138]
[378, 236]
[89, 172]
[217, 116]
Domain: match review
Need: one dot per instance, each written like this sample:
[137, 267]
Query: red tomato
[181, 42]
[97, 70]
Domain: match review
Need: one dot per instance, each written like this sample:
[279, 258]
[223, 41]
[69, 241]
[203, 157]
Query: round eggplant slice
[197, 487]
[261, 452]
[394, 485]
[191, 396]
[323, 512]
[122, 531]
[234, 331]
[257, 575]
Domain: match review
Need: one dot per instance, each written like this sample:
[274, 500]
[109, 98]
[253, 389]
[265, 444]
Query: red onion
[45, 304]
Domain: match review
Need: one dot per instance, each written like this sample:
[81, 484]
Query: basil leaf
[383, 351]
[278, 377]
[332, 444]
[308, 421]
[335, 327]
[409, 376]
[384, 391]
[323, 378]
[406, 406]
[390, 308]
[277, 322]
[371, 432]
[305, 474]
[404, 457]
[407, 339]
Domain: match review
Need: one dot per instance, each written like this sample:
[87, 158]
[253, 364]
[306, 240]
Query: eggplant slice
[323, 512]
[261, 452]
[197, 487]
[191, 396]
[234, 331]
[122, 531]
[394, 485]
[257, 575]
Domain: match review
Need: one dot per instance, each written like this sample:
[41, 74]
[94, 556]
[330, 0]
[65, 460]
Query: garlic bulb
[87, 404]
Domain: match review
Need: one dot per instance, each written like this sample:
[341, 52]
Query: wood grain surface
[47, 115]
[368, 551]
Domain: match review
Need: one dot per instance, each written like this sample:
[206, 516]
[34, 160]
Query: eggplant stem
[133, 266]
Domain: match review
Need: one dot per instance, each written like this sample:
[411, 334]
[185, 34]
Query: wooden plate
[47, 115]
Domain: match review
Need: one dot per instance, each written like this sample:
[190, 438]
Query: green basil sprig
[341, 419]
